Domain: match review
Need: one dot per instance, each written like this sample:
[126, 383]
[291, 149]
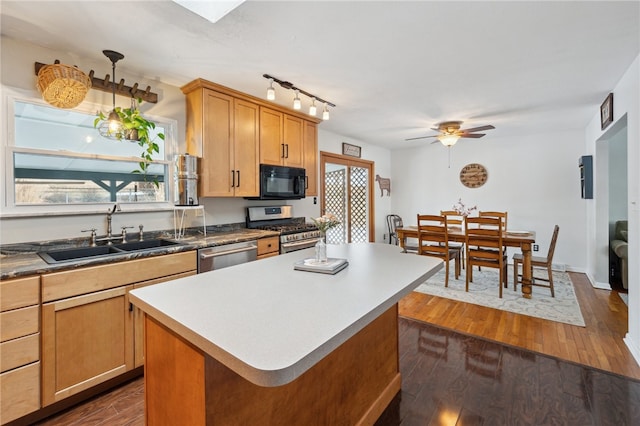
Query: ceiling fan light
[448, 140]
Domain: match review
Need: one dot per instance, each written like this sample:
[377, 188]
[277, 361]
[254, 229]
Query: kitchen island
[262, 343]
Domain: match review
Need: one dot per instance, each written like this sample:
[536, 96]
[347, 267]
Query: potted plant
[136, 128]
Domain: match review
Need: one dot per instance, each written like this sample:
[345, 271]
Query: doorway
[347, 192]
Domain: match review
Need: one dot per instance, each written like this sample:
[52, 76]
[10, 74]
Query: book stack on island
[331, 266]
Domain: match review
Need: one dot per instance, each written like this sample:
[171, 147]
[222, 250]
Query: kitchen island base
[352, 385]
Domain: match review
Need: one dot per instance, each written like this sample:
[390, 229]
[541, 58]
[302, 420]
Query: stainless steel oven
[295, 233]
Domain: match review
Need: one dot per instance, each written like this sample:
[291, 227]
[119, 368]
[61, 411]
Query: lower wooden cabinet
[89, 336]
[19, 347]
[268, 247]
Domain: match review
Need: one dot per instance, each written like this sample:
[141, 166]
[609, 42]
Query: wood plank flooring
[597, 345]
[451, 377]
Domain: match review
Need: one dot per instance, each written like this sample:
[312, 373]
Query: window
[57, 157]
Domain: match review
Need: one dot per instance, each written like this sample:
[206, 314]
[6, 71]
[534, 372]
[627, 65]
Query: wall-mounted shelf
[105, 85]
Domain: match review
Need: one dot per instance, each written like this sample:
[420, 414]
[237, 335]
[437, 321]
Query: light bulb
[296, 102]
[325, 112]
[312, 109]
[271, 92]
[115, 125]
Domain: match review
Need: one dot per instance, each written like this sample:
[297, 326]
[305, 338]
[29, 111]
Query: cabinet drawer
[19, 352]
[60, 285]
[19, 322]
[20, 390]
[268, 245]
[19, 293]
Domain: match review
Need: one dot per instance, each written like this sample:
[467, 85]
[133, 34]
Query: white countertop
[270, 323]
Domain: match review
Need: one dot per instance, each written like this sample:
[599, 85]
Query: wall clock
[473, 175]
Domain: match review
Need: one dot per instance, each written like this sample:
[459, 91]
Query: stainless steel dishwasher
[219, 257]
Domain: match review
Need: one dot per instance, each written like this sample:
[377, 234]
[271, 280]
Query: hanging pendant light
[112, 127]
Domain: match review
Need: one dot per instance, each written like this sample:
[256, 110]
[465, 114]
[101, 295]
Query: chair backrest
[453, 217]
[552, 245]
[484, 232]
[501, 215]
[433, 238]
[393, 222]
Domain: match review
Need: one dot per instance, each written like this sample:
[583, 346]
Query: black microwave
[281, 183]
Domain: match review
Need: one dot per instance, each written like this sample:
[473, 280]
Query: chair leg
[501, 281]
[515, 274]
[467, 278]
[550, 280]
[446, 273]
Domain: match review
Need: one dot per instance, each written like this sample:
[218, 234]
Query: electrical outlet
[536, 247]
[315, 200]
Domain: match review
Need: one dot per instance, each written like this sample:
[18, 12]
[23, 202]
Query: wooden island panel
[351, 385]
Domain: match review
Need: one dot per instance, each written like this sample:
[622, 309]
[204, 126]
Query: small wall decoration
[351, 150]
[473, 175]
[384, 183]
[606, 112]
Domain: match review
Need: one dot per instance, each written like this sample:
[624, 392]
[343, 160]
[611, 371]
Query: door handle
[238, 173]
[287, 154]
[233, 178]
[282, 145]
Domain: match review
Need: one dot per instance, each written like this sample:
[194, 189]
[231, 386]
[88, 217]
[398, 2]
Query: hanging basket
[63, 86]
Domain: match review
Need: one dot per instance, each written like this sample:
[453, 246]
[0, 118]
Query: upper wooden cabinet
[281, 139]
[223, 131]
[234, 133]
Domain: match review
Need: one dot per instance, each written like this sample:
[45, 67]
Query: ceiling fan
[450, 132]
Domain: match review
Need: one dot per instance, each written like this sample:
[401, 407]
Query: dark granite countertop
[21, 260]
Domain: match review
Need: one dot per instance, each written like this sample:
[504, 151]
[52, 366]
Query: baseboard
[633, 347]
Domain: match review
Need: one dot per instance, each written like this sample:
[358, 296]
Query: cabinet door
[86, 340]
[216, 166]
[246, 150]
[293, 138]
[311, 157]
[271, 143]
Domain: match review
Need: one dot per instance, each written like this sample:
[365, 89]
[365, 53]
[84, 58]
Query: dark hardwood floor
[466, 365]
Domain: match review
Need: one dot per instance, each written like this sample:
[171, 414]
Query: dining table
[522, 239]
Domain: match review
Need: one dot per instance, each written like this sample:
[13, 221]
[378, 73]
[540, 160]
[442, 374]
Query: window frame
[9, 148]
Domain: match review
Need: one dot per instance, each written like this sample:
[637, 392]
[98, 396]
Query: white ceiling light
[312, 109]
[271, 92]
[296, 101]
[448, 140]
[212, 11]
[325, 112]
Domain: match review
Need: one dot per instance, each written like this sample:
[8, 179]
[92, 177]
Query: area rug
[483, 291]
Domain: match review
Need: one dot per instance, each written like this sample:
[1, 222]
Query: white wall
[626, 104]
[535, 178]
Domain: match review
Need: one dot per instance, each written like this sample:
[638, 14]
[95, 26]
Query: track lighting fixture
[296, 101]
[312, 109]
[271, 92]
[271, 95]
[325, 112]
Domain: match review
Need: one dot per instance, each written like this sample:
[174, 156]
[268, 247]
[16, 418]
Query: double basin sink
[84, 253]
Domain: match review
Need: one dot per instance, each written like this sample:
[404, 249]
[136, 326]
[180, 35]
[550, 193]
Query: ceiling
[393, 68]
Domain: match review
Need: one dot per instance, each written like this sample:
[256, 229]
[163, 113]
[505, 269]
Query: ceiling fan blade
[478, 129]
[472, 135]
[421, 137]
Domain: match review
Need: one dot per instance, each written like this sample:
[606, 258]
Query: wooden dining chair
[483, 240]
[455, 219]
[538, 262]
[433, 240]
[501, 215]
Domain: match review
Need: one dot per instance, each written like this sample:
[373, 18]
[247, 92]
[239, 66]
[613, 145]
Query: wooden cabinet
[224, 132]
[311, 157]
[88, 324]
[281, 138]
[268, 247]
[19, 347]
[234, 133]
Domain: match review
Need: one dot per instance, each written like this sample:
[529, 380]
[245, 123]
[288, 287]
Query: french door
[347, 192]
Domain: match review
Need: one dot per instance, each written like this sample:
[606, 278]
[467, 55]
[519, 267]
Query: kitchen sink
[84, 253]
[146, 244]
[79, 253]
